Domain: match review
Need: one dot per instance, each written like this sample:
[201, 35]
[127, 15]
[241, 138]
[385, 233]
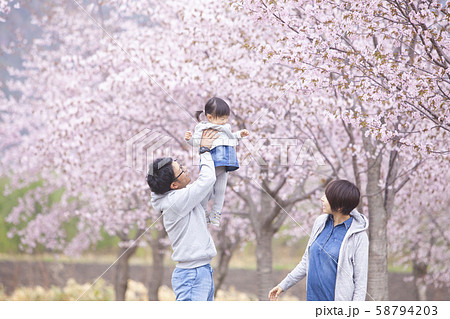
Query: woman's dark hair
[160, 175]
[342, 195]
[216, 107]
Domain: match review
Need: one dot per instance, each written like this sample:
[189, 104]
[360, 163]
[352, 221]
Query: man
[185, 222]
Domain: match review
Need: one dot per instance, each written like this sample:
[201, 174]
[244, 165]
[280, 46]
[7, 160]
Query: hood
[361, 223]
[158, 201]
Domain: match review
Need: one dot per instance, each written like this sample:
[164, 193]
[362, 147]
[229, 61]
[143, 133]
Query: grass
[393, 268]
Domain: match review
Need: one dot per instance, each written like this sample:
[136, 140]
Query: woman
[336, 257]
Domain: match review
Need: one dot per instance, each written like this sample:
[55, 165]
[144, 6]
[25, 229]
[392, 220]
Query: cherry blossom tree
[5, 6]
[83, 98]
[274, 176]
[66, 145]
[423, 240]
[231, 236]
[386, 62]
[393, 56]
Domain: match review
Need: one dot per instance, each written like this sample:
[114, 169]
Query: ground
[31, 273]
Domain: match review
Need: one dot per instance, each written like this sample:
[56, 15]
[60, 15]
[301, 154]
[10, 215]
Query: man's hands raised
[208, 138]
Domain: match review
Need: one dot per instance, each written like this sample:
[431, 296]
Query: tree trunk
[266, 218]
[157, 274]
[378, 275]
[158, 252]
[221, 271]
[226, 245]
[123, 272]
[264, 263]
[122, 265]
[419, 273]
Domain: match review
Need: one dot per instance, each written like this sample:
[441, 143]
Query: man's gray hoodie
[351, 276]
[184, 218]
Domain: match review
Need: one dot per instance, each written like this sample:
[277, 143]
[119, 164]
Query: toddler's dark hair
[216, 107]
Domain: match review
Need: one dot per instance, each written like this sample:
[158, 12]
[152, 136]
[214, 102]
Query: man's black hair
[160, 175]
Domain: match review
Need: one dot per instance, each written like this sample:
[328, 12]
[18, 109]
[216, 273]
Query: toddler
[223, 151]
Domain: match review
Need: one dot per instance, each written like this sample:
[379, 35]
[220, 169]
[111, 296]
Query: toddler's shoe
[214, 218]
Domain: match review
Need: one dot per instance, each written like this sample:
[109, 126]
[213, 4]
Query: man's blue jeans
[194, 284]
